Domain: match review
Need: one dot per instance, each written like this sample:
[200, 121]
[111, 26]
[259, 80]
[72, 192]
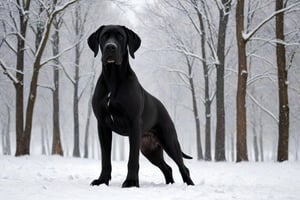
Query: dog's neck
[115, 74]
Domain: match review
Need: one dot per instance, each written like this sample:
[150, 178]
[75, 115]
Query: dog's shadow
[142, 185]
[154, 185]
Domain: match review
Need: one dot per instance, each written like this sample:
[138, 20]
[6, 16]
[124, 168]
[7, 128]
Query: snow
[41, 177]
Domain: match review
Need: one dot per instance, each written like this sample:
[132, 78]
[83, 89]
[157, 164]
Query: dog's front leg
[132, 179]
[105, 137]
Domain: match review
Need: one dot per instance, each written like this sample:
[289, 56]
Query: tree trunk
[7, 133]
[56, 141]
[20, 137]
[87, 126]
[296, 147]
[283, 128]
[232, 145]
[195, 112]
[255, 138]
[207, 102]
[30, 107]
[3, 139]
[87, 133]
[241, 124]
[78, 29]
[261, 147]
[76, 150]
[220, 108]
[88, 121]
[44, 151]
[255, 118]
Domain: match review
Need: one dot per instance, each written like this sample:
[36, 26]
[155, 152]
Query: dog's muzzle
[110, 54]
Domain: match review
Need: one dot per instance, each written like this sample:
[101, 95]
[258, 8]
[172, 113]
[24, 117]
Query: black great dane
[120, 104]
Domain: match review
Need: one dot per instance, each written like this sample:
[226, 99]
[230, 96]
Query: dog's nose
[110, 47]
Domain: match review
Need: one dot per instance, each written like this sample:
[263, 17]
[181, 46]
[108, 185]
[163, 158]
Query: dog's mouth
[110, 61]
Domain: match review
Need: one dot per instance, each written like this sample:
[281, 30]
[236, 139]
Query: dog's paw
[189, 181]
[97, 182]
[130, 183]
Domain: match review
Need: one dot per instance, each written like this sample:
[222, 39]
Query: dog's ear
[134, 41]
[93, 41]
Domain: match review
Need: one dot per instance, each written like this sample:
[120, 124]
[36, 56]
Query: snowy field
[44, 178]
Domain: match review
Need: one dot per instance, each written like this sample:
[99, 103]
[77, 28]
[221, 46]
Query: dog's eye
[104, 36]
[120, 36]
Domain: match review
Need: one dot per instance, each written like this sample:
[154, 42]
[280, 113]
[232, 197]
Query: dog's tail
[186, 156]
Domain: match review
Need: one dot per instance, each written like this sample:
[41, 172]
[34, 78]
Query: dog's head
[113, 41]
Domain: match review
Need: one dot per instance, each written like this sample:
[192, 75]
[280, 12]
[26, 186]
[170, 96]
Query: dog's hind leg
[153, 151]
[171, 146]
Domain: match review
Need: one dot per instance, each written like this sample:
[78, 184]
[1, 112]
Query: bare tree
[56, 141]
[283, 127]
[207, 98]
[44, 140]
[255, 128]
[20, 27]
[204, 55]
[224, 10]
[89, 114]
[37, 64]
[242, 154]
[24, 135]
[5, 131]
[78, 22]
[242, 38]
[190, 64]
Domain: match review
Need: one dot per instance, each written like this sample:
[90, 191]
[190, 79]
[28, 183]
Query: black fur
[121, 105]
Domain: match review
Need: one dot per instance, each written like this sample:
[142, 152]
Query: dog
[122, 105]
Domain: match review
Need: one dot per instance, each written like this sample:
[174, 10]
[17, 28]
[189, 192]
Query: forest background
[227, 71]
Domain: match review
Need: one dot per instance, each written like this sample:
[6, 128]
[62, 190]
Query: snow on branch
[178, 71]
[50, 87]
[45, 6]
[181, 74]
[62, 7]
[262, 58]
[265, 75]
[8, 73]
[278, 41]
[183, 85]
[247, 36]
[187, 53]
[84, 89]
[190, 17]
[67, 74]
[263, 108]
[61, 53]
[213, 95]
[46, 33]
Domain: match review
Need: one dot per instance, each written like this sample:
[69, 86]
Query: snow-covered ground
[44, 178]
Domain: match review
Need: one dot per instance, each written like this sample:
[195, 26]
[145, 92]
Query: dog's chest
[115, 115]
[108, 106]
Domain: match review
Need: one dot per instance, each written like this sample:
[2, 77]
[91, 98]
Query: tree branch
[61, 53]
[66, 73]
[46, 86]
[8, 73]
[263, 108]
[247, 36]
